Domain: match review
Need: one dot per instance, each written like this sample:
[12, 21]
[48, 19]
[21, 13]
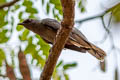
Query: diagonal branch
[8, 4]
[61, 38]
[90, 18]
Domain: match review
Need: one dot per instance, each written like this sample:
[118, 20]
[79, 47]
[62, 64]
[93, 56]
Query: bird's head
[29, 23]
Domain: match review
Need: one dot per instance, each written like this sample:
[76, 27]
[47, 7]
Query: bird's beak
[20, 23]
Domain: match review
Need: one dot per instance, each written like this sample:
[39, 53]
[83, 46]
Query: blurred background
[23, 53]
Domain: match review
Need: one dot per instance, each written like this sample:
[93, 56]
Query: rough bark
[61, 38]
[24, 69]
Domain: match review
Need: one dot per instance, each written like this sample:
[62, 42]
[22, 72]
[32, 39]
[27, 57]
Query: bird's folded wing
[51, 23]
[78, 39]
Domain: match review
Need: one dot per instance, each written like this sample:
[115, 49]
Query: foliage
[2, 56]
[116, 13]
[9, 17]
[81, 5]
[35, 46]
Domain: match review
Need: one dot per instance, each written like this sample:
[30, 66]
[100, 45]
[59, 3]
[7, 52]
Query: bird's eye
[27, 21]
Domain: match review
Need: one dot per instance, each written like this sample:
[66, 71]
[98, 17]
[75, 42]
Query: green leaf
[55, 2]
[53, 11]
[20, 15]
[2, 56]
[27, 3]
[80, 3]
[114, 8]
[24, 35]
[116, 13]
[56, 75]
[57, 17]
[30, 49]
[17, 7]
[3, 13]
[30, 40]
[29, 7]
[48, 8]
[70, 65]
[3, 23]
[2, 1]
[116, 74]
[59, 64]
[19, 27]
[12, 57]
[82, 9]
[43, 2]
[44, 46]
[57, 5]
[31, 10]
[39, 59]
[60, 12]
[3, 37]
[66, 76]
[31, 15]
[12, 21]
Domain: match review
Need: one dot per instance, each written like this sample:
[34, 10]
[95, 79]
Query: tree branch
[90, 18]
[24, 69]
[61, 38]
[10, 72]
[99, 15]
[4, 76]
[8, 4]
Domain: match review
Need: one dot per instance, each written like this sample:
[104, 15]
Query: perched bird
[47, 29]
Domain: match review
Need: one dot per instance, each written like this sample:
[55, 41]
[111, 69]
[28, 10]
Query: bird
[47, 29]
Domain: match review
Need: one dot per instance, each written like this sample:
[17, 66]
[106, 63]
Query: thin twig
[90, 18]
[8, 4]
[106, 28]
[109, 22]
[99, 15]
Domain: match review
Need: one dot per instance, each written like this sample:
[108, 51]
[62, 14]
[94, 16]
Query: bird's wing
[51, 23]
[78, 38]
[54, 24]
[76, 31]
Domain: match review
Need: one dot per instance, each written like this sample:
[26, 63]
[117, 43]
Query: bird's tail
[91, 48]
[97, 52]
